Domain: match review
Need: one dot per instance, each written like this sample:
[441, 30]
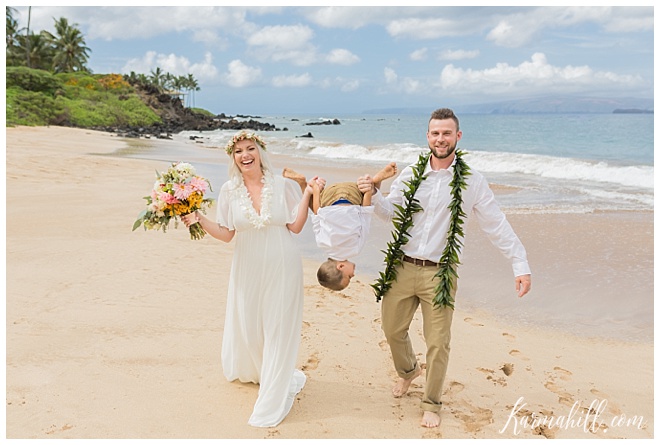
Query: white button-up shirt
[429, 232]
[341, 230]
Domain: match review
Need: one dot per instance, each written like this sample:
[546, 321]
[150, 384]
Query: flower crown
[229, 148]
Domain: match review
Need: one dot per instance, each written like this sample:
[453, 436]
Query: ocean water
[556, 163]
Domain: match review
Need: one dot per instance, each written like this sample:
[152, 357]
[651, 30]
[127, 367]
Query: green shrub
[32, 108]
[202, 111]
[32, 80]
[36, 97]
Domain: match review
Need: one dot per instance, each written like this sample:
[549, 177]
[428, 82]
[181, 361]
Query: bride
[263, 322]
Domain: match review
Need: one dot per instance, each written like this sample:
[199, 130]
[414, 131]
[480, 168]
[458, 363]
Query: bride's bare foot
[402, 384]
[430, 419]
[389, 171]
[292, 174]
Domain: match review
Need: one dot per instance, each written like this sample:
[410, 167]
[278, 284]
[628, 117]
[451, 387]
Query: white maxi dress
[265, 297]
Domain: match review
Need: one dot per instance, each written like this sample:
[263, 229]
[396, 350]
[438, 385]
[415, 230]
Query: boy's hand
[365, 184]
[320, 182]
[314, 185]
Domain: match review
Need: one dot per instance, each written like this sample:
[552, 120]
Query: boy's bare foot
[402, 385]
[430, 419]
[389, 171]
[292, 174]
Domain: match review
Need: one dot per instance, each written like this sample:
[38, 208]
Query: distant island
[631, 111]
[539, 105]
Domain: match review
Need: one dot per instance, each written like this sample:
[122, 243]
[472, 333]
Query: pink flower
[198, 184]
[182, 191]
[167, 198]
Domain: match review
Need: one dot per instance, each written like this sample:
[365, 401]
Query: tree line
[66, 52]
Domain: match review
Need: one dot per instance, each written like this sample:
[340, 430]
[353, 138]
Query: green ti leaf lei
[402, 221]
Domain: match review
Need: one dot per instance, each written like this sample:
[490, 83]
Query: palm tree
[12, 33]
[193, 86]
[157, 77]
[71, 54]
[11, 27]
[35, 51]
[168, 81]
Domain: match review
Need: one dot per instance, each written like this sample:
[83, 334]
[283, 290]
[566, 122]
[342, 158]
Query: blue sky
[280, 60]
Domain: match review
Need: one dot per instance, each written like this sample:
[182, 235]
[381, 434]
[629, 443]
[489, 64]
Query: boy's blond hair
[329, 276]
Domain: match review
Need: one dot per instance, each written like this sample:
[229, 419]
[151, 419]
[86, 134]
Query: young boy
[341, 220]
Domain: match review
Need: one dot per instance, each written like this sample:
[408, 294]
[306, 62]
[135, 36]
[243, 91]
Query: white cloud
[505, 34]
[302, 80]
[278, 38]
[205, 70]
[173, 64]
[411, 86]
[344, 85]
[354, 17]
[349, 85]
[339, 16]
[433, 28]
[406, 85]
[284, 43]
[530, 76]
[240, 75]
[390, 76]
[517, 29]
[342, 57]
[630, 20]
[419, 54]
[458, 54]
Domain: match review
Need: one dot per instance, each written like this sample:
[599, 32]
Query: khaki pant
[414, 286]
[341, 190]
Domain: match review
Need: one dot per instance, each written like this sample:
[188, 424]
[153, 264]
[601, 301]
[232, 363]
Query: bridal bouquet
[176, 192]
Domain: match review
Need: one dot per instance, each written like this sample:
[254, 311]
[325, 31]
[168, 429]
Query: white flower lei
[257, 220]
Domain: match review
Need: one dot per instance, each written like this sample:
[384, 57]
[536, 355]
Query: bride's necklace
[258, 220]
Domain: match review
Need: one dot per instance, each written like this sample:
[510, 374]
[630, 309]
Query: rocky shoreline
[176, 118]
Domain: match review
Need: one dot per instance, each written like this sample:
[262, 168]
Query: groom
[417, 276]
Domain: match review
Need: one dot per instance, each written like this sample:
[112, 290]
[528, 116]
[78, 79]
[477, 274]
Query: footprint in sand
[611, 406]
[472, 322]
[454, 388]
[475, 418]
[565, 398]
[507, 369]
[563, 373]
[54, 429]
[383, 345]
[516, 353]
[312, 363]
[432, 433]
[508, 336]
[490, 375]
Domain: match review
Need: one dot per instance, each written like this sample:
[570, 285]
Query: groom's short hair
[444, 113]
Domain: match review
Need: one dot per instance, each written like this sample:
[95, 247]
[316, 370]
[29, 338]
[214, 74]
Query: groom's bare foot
[292, 174]
[389, 171]
[430, 419]
[402, 385]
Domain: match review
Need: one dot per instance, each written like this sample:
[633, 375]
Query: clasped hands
[366, 184]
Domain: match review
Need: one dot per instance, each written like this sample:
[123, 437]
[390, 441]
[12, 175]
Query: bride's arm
[211, 227]
[303, 208]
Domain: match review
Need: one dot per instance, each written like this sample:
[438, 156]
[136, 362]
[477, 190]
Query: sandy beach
[115, 334]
